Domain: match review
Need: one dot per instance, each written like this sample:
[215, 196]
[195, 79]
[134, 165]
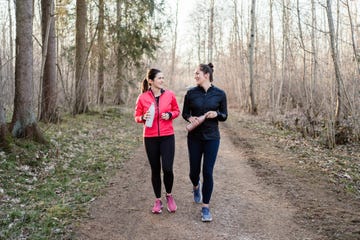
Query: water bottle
[150, 120]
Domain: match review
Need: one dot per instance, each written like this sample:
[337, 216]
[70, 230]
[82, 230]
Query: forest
[295, 63]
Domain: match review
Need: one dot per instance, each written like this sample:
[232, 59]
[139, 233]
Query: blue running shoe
[205, 214]
[197, 194]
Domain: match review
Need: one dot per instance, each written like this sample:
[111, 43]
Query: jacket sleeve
[186, 114]
[139, 111]
[222, 112]
[175, 111]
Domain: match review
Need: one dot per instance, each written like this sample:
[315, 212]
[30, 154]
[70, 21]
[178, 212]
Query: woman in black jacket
[204, 140]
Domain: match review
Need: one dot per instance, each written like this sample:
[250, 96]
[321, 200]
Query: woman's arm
[222, 113]
[175, 111]
[186, 114]
[139, 111]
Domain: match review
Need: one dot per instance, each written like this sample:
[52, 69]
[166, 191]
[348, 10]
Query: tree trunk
[173, 52]
[335, 58]
[120, 63]
[211, 31]
[302, 43]
[101, 67]
[314, 53]
[285, 24]
[253, 108]
[272, 56]
[48, 111]
[4, 145]
[81, 72]
[11, 43]
[23, 122]
[4, 134]
[356, 57]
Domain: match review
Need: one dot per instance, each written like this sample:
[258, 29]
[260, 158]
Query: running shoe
[171, 205]
[157, 207]
[197, 194]
[205, 214]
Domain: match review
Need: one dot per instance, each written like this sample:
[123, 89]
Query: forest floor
[267, 186]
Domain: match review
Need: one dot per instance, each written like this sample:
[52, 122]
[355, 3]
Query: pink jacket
[167, 104]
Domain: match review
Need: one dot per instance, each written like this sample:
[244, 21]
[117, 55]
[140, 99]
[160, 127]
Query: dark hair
[151, 74]
[207, 68]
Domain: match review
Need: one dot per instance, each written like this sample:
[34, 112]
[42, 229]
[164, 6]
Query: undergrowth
[341, 164]
[44, 189]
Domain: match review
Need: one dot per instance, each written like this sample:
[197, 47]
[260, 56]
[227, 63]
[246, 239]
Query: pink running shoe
[157, 207]
[171, 205]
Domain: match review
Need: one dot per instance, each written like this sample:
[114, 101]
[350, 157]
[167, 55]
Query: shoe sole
[206, 220]
[172, 210]
[154, 212]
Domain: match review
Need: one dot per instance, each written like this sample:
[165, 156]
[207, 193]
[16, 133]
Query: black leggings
[161, 152]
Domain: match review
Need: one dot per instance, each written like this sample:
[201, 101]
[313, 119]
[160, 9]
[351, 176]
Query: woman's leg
[211, 148]
[152, 148]
[195, 148]
[167, 149]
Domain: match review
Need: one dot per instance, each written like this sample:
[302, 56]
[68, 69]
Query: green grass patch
[46, 188]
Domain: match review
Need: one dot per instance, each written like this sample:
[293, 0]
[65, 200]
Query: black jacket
[197, 102]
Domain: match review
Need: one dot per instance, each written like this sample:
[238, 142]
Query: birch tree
[253, 108]
[174, 45]
[211, 31]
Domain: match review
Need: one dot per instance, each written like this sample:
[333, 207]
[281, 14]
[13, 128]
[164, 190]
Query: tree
[356, 56]
[173, 50]
[4, 145]
[101, 47]
[120, 55]
[3, 128]
[48, 67]
[211, 31]
[81, 72]
[137, 36]
[253, 108]
[334, 54]
[23, 123]
[272, 56]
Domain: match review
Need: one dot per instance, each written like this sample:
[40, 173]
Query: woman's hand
[165, 116]
[146, 115]
[193, 119]
[211, 114]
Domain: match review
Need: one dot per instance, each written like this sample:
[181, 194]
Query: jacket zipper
[158, 118]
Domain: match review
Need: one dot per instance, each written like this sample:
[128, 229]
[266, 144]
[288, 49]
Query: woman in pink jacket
[159, 138]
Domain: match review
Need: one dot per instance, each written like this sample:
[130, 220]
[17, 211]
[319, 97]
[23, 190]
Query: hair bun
[211, 66]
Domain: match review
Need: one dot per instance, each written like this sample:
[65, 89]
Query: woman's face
[158, 81]
[200, 76]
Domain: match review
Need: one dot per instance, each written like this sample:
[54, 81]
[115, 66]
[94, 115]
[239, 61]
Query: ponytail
[145, 85]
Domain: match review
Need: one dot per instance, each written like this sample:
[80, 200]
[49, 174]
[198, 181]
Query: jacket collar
[161, 91]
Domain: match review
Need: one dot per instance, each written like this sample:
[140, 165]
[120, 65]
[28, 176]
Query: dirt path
[243, 207]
